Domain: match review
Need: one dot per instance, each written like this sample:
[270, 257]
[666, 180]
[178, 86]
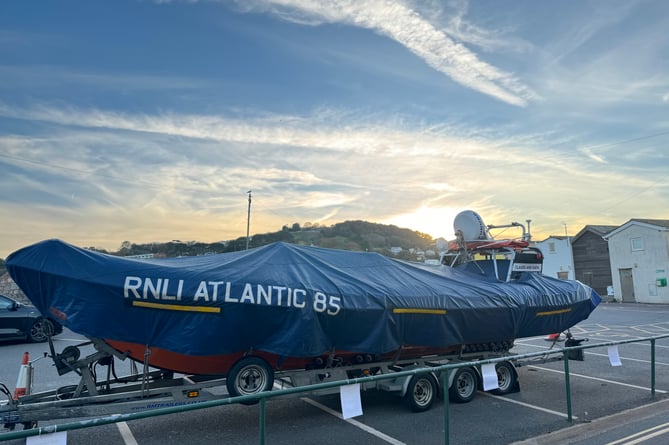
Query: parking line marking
[525, 341]
[353, 422]
[527, 405]
[126, 434]
[613, 382]
[634, 310]
[648, 345]
[629, 359]
[604, 355]
[642, 436]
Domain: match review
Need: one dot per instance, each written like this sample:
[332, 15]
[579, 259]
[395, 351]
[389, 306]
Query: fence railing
[443, 370]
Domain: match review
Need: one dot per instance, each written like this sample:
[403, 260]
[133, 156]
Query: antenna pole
[248, 221]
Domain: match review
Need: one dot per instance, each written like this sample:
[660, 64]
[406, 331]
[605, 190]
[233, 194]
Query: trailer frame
[153, 389]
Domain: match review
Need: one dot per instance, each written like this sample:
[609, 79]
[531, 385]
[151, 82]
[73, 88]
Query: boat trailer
[100, 394]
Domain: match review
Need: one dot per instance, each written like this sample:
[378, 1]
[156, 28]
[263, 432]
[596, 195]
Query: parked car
[21, 321]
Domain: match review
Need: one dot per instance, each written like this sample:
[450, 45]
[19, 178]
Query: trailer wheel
[421, 392]
[250, 375]
[507, 378]
[464, 386]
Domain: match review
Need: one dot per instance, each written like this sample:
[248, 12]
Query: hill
[363, 236]
[349, 235]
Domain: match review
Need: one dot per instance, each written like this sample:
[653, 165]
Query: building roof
[663, 224]
[654, 222]
[600, 230]
[558, 237]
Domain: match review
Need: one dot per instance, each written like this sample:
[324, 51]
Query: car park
[19, 321]
[604, 398]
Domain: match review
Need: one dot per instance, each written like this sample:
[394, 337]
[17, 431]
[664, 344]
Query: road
[605, 401]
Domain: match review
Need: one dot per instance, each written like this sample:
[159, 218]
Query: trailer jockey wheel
[421, 392]
[250, 375]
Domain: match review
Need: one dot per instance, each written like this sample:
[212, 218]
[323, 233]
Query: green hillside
[349, 235]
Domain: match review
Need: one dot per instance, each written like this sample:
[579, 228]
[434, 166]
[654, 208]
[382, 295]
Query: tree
[126, 248]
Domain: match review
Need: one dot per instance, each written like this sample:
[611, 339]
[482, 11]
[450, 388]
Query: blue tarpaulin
[290, 300]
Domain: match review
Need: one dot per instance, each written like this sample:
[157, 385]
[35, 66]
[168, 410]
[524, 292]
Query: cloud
[286, 146]
[488, 39]
[592, 155]
[47, 76]
[408, 27]
[323, 130]
[603, 61]
[166, 176]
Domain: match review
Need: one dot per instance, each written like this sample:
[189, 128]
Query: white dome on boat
[471, 225]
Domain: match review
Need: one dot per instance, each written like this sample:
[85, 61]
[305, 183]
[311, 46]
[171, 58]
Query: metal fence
[444, 370]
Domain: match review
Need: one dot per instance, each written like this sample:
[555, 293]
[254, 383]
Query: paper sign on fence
[489, 377]
[59, 438]
[614, 356]
[351, 405]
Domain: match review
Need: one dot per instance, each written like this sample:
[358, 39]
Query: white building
[558, 258]
[639, 251]
[142, 256]
[395, 250]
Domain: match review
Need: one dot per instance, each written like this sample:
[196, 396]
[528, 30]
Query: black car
[20, 321]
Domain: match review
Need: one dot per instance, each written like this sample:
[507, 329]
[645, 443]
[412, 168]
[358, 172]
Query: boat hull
[219, 365]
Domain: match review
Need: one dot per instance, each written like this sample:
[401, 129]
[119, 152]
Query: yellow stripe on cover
[176, 307]
[419, 311]
[558, 311]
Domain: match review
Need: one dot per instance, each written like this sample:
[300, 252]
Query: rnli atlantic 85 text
[166, 290]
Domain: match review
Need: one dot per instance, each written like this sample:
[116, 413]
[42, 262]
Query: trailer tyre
[250, 375]
[507, 378]
[464, 386]
[421, 392]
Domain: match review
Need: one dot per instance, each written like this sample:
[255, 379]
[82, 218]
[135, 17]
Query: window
[587, 278]
[551, 247]
[5, 303]
[637, 244]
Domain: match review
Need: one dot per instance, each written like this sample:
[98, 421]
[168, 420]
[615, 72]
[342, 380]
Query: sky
[150, 121]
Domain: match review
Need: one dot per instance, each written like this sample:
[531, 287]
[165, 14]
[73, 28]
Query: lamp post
[248, 221]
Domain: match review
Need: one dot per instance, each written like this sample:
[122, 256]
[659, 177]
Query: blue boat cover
[290, 300]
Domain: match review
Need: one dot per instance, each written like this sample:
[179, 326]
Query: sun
[434, 221]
